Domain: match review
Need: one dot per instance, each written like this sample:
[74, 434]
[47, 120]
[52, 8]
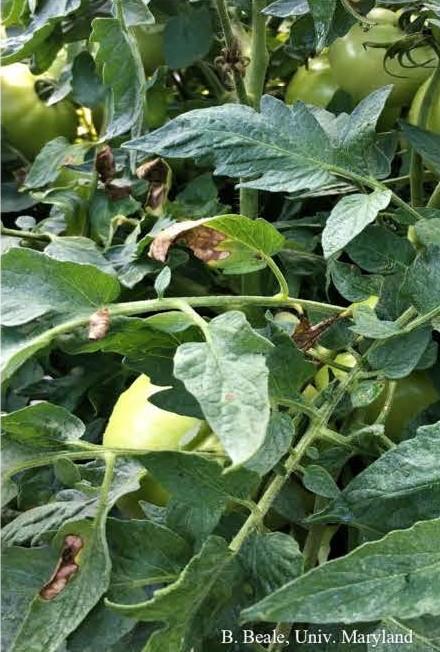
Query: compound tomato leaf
[281, 148]
[397, 576]
[228, 376]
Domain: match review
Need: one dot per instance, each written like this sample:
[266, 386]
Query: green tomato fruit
[136, 423]
[432, 118]
[150, 40]
[359, 69]
[413, 394]
[314, 84]
[27, 122]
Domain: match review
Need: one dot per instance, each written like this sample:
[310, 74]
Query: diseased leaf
[397, 576]
[426, 143]
[319, 481]
[269, 561]
[54, 154]
[19, 587]
[49, 621]
[367, 323]
[422, 282]
[35, 285]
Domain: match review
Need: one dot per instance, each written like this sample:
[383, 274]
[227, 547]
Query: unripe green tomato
[360, 70]
[432, 121]
[150, 40]
[314, 84]
[138, 424]
[322, 377]
[27, 122]
[413, 394]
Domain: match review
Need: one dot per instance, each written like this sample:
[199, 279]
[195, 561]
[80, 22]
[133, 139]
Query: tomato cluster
[355, 64]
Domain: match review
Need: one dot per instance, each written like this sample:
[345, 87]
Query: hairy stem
[256, 72]
[293, 461]
[26, 235]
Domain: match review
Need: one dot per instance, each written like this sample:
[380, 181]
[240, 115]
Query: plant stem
[312, 433]
[434, 200]
[284, 288]
[103, 504]
[416, 179]
[226, 301]
[256, 72]
[29, 235]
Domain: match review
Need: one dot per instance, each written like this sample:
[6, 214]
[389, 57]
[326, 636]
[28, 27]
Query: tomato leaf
[394, 491]
[114, 46]
[281, 148]
[349, 218]
[229, 377]
[397, 576]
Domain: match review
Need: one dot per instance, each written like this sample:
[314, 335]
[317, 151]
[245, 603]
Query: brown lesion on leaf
[157, 172]
[202, 240]
[106, 169]
[65, 569]
[307, 335]
[105, 164]
[99, 324]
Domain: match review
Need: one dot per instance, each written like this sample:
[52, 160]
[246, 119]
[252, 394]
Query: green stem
[29, 235]
[282, 630]
[434, 200]
[284, 288]
[312, 433]
[416, 179]
[103, 504]
[212, 80]
[383, 414]
[256, 72]
[249, 205]
[222, 301]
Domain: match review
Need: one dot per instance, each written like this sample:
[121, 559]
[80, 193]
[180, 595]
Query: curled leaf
[65, 569]
[202, 240]
[99, 324]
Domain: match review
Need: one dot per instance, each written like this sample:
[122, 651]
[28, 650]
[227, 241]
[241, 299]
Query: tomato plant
[221, 305]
